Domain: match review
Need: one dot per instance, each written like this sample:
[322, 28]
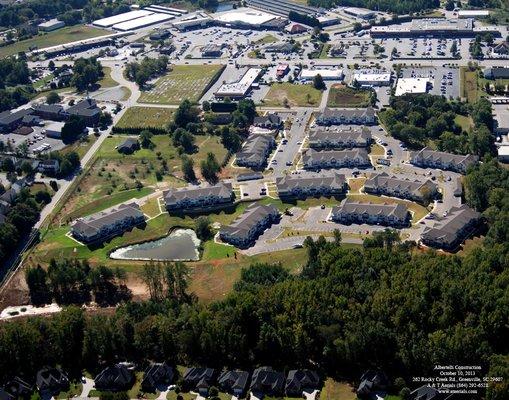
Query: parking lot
[34, 140]
[445, 81]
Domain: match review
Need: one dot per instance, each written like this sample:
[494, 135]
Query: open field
[146, 117]
[182, 82]
[468, 85]
[267, 39]
[81, 146]
[61, 36]
[466, 123]
[295, 95]
[333, 390]
[344, 96]
[107, 81]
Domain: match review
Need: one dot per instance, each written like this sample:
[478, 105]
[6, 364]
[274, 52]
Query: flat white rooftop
[358, 11]
[244, 15]
[142, 22]
[117, 19]
[308, 74]
[241, 87]
[411, 85]
[473, 13]
[372, 77]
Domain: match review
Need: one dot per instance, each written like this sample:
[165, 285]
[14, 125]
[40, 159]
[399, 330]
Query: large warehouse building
[238, 90]
[142, 22]
[249, 18]
[282, 7]
[327, 74]
[117, 19]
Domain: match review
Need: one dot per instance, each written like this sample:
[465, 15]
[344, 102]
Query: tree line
[396, 7]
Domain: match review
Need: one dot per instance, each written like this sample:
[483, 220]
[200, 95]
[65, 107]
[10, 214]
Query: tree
[73, 129]
[184, 139]
[205, 106]
[188, 169]
[318, 82]
[185, 114]
[146, 139]
[53, 98]
[26, 168]
[152, 275]
[86, 72]
[42, 196]
[203, 228]
[36, 279]
[105, 119]
[210, 168]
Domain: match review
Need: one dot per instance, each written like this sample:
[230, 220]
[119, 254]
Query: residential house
[339, 139]
[86, 109]
[157, 374]
[234, 382]
[428, 393]
[453, 229]
[427, 158]
[115, 378]
[128, 146]
[299, 381]
[51, 381]
[269, 121]
[255, 151]
[311, 184]
[372, 383]
[247, 227]
[347, 116]
[355, 158]
[199, 379]
[266, 381]
[11, 194]
[52, 112]
[48, 166]
[415, 190]
[199, 197]
[349, 211]
[18, 388]
[111, 222]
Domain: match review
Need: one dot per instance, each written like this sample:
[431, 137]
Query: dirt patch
[16, 292]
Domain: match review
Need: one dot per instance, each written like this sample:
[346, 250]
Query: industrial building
[117, 19]
[433, 27]
[51, 25]
[363, 13]
[192, 21]
[239, 89]
[412, 85]
[248, 18]
[142, 22]
[282, 7]
[372, 78]
[328, 74]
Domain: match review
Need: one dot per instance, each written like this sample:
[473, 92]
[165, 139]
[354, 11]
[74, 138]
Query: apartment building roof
[248, 219]
[347, 113]
[310, 180]
[353, 207]
[339, 155]
[255, 148]
[222, 189]
[358, 135]
[428, 155]
[384, 180]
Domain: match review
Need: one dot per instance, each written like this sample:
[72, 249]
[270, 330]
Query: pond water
[180, 245]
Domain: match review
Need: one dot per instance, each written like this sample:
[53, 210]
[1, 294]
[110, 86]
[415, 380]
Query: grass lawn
[81, 147]
[186, 396]
[146, 117]
[75, 389]
[464, 122]
[266, 40]
[417, 210]
[60, 36]
[107, 81]
[344, 96]
[182, 82]
[296, 95]
[356, 184]
[333, 390]
[469, 85]
[44, 81]
[376, 150]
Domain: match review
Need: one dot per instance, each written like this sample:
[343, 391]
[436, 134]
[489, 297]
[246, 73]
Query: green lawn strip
[44, 81]
[75, 389]
[469, 84]
[344, 96]
[146, 117]
[182, 82]
[61, 36]
[266, 40]
[107, 81]
[297, 95]
[80, 147]
[324, 53]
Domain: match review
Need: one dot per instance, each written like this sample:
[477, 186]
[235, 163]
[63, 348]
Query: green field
[466, 123]
[182, 82]
[344, 96]
[146, 117]
[61, 36]
[469, 88]
[295, 95]
[266, 40]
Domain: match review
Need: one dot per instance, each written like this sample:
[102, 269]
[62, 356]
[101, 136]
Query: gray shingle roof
[255, 149]
[248, 219]
[221, 190]
[355, 208]
[426, 156]
[394, 184]
[310, 180]
[359, 136]
[339, 156]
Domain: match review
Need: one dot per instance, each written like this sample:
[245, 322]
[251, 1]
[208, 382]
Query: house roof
[384, 180]
[357, 135]
[300, 379]
[157, 373]
[255, 148]
[428, 155]
[128, 144]
[91, 225]
[198, 376]
[428, 393]
[265, 379]
[113, 377]
[310, 180]
[85, 108]
[353, 207]
[270, 118]
[446, 230]
[50, 378]
[234, 380]
[222, 190]
[248, 219]
[347, 113]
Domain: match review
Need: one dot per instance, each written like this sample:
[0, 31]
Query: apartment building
[198, 197]
[415, 190]
[311, 184]
[340, 138]
[427, 158]
[349, 211]
[355, 158]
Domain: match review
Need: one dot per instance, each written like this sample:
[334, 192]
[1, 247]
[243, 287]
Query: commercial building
[282, 7]
[434, 27]
[362, 13]
[496, 73]
[357, 158]
[384, 184]
[52, 112]
[282, 70]
[427, 158]
[311, 184]
[249, 18]
[503, 153]
[138, 23]
[192, 21]
[328, 19]
[340, 138]
[119, 18]
[327, 74]
[86, 109]
[198, 197]
[243, 232]
[281, 47]
[453, 229]
[372, 78]
[255, 151]
[473, 13]
[346, 116]
[211, 50]
[349, 211]
[11, 120]
[51, 25]
[412, 86]
[108, 223]
[239, 89]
